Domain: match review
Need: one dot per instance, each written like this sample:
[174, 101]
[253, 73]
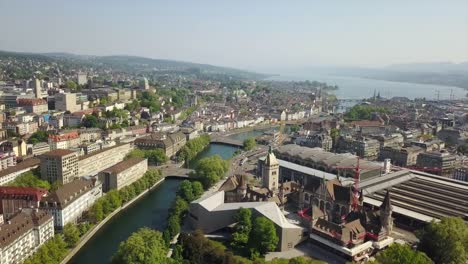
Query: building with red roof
[12, 199]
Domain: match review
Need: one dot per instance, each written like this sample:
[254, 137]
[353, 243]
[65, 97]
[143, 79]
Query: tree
[71, 234]
[136, 153]
[240, 237]
[249, 143]
[197, 189]
[28, 179]
[157, 156]
[210, 170]
[90, 121]
[71, 84]
[445, 241]
[96, 212]
[360, 112]
[186, 191]
[145, 246]
[398, 253]
[263, 237]
[39, 136]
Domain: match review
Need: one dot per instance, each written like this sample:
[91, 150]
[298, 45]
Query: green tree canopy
[71, 234]
[445, 241]
[28, 179]
[210, 170]
[71, 84]
[397, 254]
[39, 136]
[249, 143]
[263, 237]
[90, 121]
[363, 112]
[146, 246]
[240, 237]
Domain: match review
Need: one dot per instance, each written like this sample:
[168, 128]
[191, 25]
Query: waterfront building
[69, 201]
[59, 165]
[171, 143]
[12, 199]
[123, 173]
[93, 163]
[23, 234]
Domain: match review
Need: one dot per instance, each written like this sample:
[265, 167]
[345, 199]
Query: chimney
[387, 166]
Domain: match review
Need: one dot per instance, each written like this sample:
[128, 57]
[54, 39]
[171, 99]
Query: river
[151, 210]
[359, 88]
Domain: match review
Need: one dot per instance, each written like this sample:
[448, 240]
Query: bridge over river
[227, 141]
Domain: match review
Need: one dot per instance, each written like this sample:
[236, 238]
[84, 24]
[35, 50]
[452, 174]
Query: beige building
[59, 165]
[211, 214]
[401, 156]
[65, 102]
[123, 173]
[92, 164]
[171, 143]
[24, 234]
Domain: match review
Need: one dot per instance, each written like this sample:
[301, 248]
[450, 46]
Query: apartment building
[33, 105]
[64, 140]
[123, 173]
[59, 165]
[171, 143]
[23, 234]
[93, 163]
[68, 202]
[12, 199]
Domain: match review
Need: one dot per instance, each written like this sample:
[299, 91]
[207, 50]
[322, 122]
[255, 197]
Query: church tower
[270, 172]
[386, 209]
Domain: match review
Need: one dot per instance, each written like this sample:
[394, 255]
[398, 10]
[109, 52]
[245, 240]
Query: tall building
[144, 84]
[82, 78]
[65, 102]
[37, 88]
[59, 165]
[23, 234]
[270, 171]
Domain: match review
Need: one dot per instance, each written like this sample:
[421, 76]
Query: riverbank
[96, 228]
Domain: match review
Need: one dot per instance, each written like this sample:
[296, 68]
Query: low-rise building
[64, 140]
[443, 161]
[123, 173]
[7, 159]
[171, 143]
[69, 201]
[321, 140]
[33, 105]
[403, 157]
[12, 199]
[40, 148]
[461, 173]
[23, 234]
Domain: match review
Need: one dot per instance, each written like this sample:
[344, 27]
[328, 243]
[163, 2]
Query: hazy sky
[251, 34]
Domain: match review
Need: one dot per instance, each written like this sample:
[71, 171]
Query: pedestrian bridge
[227, 141]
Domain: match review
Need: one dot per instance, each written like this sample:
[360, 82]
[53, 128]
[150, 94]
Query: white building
[23, 234]
[68, 203]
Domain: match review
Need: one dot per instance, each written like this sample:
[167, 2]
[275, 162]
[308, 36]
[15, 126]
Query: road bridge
[227, 141]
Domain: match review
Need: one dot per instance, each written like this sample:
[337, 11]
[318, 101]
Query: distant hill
[133, 64]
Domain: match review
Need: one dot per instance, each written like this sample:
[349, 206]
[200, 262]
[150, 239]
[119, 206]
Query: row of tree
[115, 198]
[155, 156]
[193, 147]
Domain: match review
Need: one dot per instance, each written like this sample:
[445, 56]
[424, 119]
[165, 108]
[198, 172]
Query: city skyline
[257, 36]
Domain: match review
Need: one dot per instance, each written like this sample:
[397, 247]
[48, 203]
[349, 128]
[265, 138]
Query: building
[33, 105]
[123, 173]
[93, 163]
[40, 148]
[442, 162]
[270, 172]
[171, 143]
[59, 165]
[17, 146]
[7, 159]
[64, 140]
[11, 173]
[23, 234]
[82, 78]
[402, 157]
[65, 102]
[461, 173]
[212, 213]
[363, 147]
[69, 201]
[37, 88]
[12, 199]
[321, 140]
